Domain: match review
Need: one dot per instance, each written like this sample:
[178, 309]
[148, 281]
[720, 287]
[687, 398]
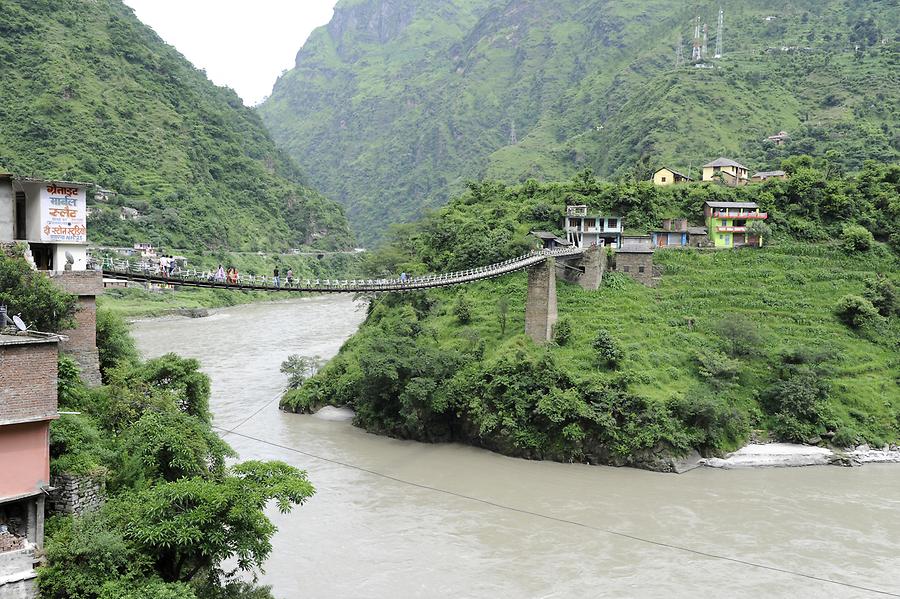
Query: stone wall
[28, 381]
[76, 494]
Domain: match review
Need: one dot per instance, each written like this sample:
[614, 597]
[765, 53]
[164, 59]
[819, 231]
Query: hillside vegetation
[395, 104]
[91, 94]
[730, 341]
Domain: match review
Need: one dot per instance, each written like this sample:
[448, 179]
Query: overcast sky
[244, 44]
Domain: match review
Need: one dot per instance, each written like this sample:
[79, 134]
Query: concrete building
[677, 232]
[668, 176]
[584, 230]
[766, 175]
[50, 219]
[51, 216]
[727, 223]
[727, 171]
[28, 402]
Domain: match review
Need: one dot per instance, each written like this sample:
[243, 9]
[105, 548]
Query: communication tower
[679, 53]
[720, 31]
[696, 53]
[513, 138]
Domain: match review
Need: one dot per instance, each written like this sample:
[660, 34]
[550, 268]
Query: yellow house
[667, 176]
[729, 171]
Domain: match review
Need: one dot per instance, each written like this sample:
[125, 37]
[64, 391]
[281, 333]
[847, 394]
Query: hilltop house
[678, 233]
[727, 223]
[550, 241]
[766, 175]
[667, 176]
[584, 230]
[728, 171]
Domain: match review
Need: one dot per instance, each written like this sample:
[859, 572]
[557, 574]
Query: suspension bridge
[151, 273]
[578, 265]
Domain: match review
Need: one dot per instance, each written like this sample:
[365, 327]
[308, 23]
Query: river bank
[135, 302]
[786, 455]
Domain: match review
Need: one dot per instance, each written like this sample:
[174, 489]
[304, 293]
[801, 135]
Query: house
[49, 216]
[727, 223]
[667, 176]
[550, 241]
[145, 249]
[780, 138]
[637, 262]
[584, 230]
[766, 175]
[727, 171]
[28, 403]
[678, 233]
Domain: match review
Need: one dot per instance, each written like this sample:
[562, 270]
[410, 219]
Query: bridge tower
[540, 306]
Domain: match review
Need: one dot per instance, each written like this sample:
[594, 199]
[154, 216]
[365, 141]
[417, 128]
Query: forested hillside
[395, 104]
[798, 339]
[90, 93]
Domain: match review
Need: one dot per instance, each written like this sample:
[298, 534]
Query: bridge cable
[558, 519]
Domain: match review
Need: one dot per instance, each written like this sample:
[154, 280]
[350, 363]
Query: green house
[727, 223]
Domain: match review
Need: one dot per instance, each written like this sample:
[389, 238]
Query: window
[663, 179]
[640, 269]
[590, 223]
[612, 223]
[625, 269]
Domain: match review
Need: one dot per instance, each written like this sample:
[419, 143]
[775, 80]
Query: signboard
[63, 213]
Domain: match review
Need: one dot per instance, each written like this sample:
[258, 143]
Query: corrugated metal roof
[765, 174]
[732, 204]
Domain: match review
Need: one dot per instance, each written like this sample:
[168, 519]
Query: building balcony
[738, 215]
[576, 210]
[731, 229]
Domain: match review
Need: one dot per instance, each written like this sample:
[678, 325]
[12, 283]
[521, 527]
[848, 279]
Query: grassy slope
[395, 124]
[90, 93]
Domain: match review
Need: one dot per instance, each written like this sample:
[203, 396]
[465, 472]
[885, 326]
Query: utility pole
[720, 31]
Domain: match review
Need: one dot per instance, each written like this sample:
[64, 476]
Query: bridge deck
[128, 271]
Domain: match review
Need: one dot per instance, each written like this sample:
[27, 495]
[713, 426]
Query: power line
[562, 520]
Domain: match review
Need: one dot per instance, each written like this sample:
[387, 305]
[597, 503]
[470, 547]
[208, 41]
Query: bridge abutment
[540, 305]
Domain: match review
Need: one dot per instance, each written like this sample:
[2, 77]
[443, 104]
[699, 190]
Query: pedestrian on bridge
[275, 279]
[290, 276]
[220, 275]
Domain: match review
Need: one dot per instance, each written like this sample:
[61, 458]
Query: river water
[402, 519]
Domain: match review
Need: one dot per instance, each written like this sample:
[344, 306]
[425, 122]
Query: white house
[586, 230]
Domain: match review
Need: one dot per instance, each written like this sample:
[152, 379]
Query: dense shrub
[562, 330]
[855, 238]
[883, 295]
[462, 309]
[717, 368]
[798, 398]
[43, 305]
[114, 344]
[856, 312]
[608, 351]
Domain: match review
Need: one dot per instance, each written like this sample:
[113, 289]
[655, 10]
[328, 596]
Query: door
[20, 216]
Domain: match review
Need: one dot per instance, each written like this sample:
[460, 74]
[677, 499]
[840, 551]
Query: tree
[182, 378]
[190, 526]
[42, 304]
[562, 330]
[761, 230]
[114, 344]
[740, 334]
[299, 368]
[502, 314]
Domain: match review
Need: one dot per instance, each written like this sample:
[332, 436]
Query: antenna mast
[720, 32]
[696, 55]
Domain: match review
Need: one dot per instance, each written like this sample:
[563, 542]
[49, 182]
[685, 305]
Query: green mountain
[90, 93]
[395, 104]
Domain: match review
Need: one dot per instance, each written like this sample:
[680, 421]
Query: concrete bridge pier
[540, 305]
